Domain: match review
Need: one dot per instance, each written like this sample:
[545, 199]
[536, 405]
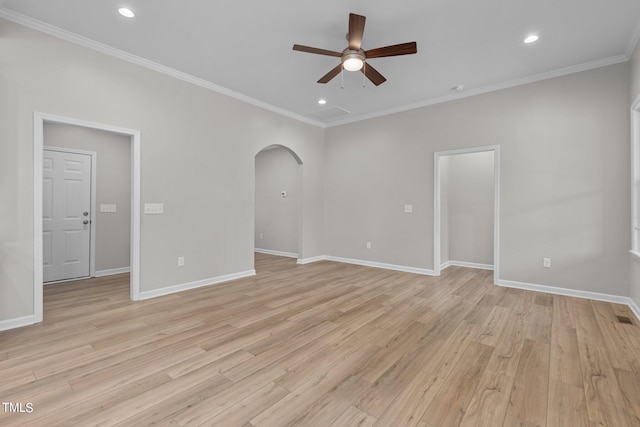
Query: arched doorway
[278, 201]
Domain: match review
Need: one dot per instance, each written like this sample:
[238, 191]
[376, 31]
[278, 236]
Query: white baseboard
[303, 261]
[385, 266]
[616, 299]
[466, 264]
[16, 323]
[277, 253]
[374, 264]
[634, 307]
[112, 271]
[564, 291]
[197, 284]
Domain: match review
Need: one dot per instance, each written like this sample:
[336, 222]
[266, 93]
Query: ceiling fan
[354, 58]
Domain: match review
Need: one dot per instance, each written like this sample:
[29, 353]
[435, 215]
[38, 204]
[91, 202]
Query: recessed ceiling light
[127, 13]
[322, 101]
[531, 39]
[458, 88]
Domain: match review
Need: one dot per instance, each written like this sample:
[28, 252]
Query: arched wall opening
[278, 202]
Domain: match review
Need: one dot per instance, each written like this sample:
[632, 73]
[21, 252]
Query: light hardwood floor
[323, 344]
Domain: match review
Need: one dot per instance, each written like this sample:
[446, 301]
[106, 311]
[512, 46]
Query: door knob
[85, 213]
[85, 222]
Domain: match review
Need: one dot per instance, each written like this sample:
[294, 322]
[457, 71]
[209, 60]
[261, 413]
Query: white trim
[634, 308]
[93, 202]
[635, 255]
[38, 162]
[597, 296]
[633, 42]
[385, 266]
[635, 174]
[17, 322]
[486, 89]
[193, 285]
[38, 145]
[466, 264]
[303, 261]
[277, 253]
[436, 214]
[120, 54]
[112, 271]
[496, 205]
[126, 56]
[73, 279]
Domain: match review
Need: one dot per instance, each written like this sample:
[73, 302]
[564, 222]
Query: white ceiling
[245, 47]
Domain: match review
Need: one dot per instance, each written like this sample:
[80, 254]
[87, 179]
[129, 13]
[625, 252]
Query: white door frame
[92, 228]
[635, 178]
[496, 205]
[38, 145]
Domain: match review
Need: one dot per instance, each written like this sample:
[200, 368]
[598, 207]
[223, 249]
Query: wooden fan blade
[395, 50]
[331, 74]
[373, 74]
[316, 50]
[356, 30]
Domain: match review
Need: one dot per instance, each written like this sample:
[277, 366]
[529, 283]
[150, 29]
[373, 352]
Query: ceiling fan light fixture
[353, 62]
[531, 39]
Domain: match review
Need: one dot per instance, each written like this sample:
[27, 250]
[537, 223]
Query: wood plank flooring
[324, 344]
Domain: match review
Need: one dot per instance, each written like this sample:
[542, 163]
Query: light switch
[408, 208]
[153, 208]
[104, 207]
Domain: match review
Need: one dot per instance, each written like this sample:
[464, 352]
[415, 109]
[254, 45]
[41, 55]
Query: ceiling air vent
[329, 114]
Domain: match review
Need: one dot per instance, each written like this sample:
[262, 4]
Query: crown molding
[633, 42]
[134, 59]
[486, 89]
[120, 54]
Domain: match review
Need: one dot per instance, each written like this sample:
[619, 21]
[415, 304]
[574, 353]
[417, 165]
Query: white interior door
[66, 211]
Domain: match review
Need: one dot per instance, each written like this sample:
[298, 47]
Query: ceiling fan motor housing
[352, 59]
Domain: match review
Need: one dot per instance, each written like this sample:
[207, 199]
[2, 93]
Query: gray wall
[277, 217]
[565, 170]
[198, 151]
[467, 208]
[113, 186]
[564, 184]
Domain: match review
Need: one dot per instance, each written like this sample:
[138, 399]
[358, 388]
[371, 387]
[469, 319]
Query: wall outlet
[180, 261]
[546, 262]
[368, 245]
[283, 193]
[408, 208]
[261, 236]
[154, 208]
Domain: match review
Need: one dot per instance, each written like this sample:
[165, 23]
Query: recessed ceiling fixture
[531, 39]
[126, 12]
[354, 58]
[322, 101]
[458, 88]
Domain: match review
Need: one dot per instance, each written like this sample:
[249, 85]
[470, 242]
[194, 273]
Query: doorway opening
[466, 225]
[134, 236]
[278, 201]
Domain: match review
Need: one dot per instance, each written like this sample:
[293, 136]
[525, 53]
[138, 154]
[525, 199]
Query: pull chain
[342, 77]
[364, 70]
